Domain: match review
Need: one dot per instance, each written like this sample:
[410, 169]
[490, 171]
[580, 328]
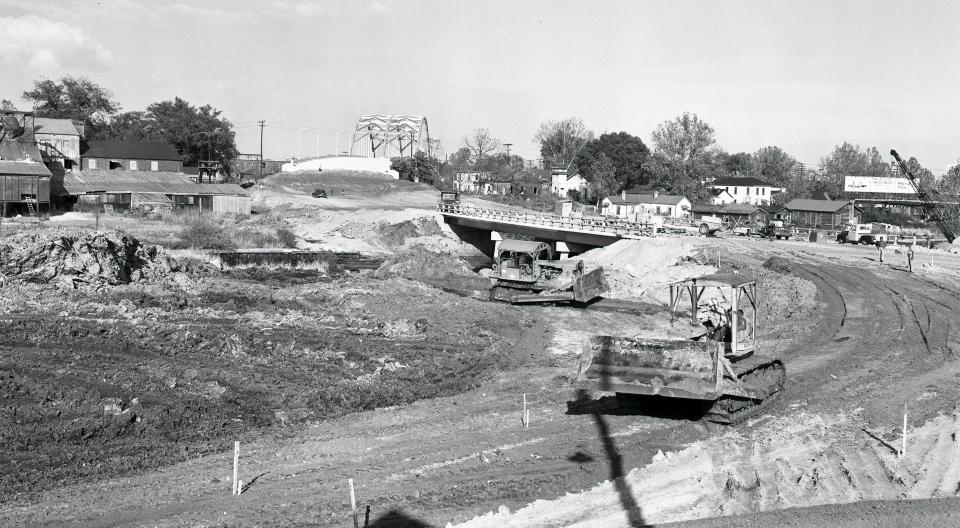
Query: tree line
[685, 158]
[197, 132]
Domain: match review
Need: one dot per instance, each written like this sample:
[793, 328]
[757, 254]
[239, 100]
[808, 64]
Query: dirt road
[881, 337]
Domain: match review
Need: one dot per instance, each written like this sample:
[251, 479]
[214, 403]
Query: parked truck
[778, 229]
[869, 233]
[525, 272]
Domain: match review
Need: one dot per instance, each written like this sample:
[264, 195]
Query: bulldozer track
[732, 410]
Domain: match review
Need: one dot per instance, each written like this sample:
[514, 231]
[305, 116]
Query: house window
[748, 191]
[115, 164]
[92, 164]
[133, 164]
[155, 166]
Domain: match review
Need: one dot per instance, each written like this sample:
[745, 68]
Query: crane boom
[933, 207]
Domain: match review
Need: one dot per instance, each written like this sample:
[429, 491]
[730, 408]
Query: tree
[481, 144]
[739, 164]
[198, 133]
[625, 153]
[684, 145]
[849, 160]
[418, 168]
[561, 140]
[75, 98]
[604, 180]
[684, 140]
[775, 166]
[130, 126]
[7, 104]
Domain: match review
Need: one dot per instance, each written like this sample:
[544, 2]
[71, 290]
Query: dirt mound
[642, 269]
[339, 183]
[802, 459]
[101, 258]
[394, 235]
[417, 262]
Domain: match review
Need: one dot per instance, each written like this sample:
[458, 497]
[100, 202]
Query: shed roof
[746, 181]
[818, 206]
[49, 125]
[124, 181]
[719, 279]
[21, 158]
[139, 150]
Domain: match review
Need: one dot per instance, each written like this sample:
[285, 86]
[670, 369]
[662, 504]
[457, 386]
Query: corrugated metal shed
[122, 181]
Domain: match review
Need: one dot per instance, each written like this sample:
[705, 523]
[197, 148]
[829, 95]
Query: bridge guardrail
[596, 225]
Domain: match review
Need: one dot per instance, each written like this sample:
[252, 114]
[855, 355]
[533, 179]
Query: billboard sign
[873, 184]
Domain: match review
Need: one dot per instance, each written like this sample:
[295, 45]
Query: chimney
[656, 194]
[623, 194]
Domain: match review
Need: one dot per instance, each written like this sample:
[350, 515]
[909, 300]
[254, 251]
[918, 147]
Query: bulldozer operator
[716, 317]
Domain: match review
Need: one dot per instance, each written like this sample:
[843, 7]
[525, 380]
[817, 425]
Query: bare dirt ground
[874, 338]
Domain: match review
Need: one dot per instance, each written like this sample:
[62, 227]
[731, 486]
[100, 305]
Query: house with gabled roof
[633, 204]
[825, 214]
[743, 190]
[131, 156]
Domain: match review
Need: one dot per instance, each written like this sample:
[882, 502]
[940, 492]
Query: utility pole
[260, 168]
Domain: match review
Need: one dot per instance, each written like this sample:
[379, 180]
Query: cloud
[220, 16]
[377, 7]
[307, 9]
[47, 44]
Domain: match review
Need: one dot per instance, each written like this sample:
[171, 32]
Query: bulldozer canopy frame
[735, 289]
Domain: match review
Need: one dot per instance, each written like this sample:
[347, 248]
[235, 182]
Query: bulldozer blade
[680, 369]
[590, 285]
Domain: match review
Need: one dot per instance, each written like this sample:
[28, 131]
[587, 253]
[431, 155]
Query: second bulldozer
[524, 271]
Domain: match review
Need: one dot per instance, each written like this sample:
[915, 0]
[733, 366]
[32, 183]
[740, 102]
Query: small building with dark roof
[743, 190]
[131, 156]
[825, 214]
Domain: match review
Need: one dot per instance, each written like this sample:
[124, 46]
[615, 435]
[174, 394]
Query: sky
[801, 75]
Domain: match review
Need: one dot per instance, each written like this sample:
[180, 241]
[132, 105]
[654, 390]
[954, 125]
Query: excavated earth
[124, 413]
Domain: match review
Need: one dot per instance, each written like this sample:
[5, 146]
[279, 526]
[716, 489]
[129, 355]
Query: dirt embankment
[145, 374]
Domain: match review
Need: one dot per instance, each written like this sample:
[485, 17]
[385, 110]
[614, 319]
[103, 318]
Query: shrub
[286, 237]
[204, 233]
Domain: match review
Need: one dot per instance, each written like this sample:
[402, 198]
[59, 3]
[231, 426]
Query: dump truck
[718, 366]
[524, 272]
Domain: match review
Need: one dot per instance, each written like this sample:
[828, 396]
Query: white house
[639, 207]
[743, 191]
[562, 182]
[721, 196]
[471, 181]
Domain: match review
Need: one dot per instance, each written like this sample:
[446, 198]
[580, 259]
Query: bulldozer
[717, 368]
[524, 272]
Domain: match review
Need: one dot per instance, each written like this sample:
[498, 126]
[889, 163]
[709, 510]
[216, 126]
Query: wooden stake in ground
[718, 257]
[239, 486]
[236, 466]
[525, 418]
[353, 505]
[910, 258]
[903, 446]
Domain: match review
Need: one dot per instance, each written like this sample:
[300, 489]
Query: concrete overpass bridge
[484, 228]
